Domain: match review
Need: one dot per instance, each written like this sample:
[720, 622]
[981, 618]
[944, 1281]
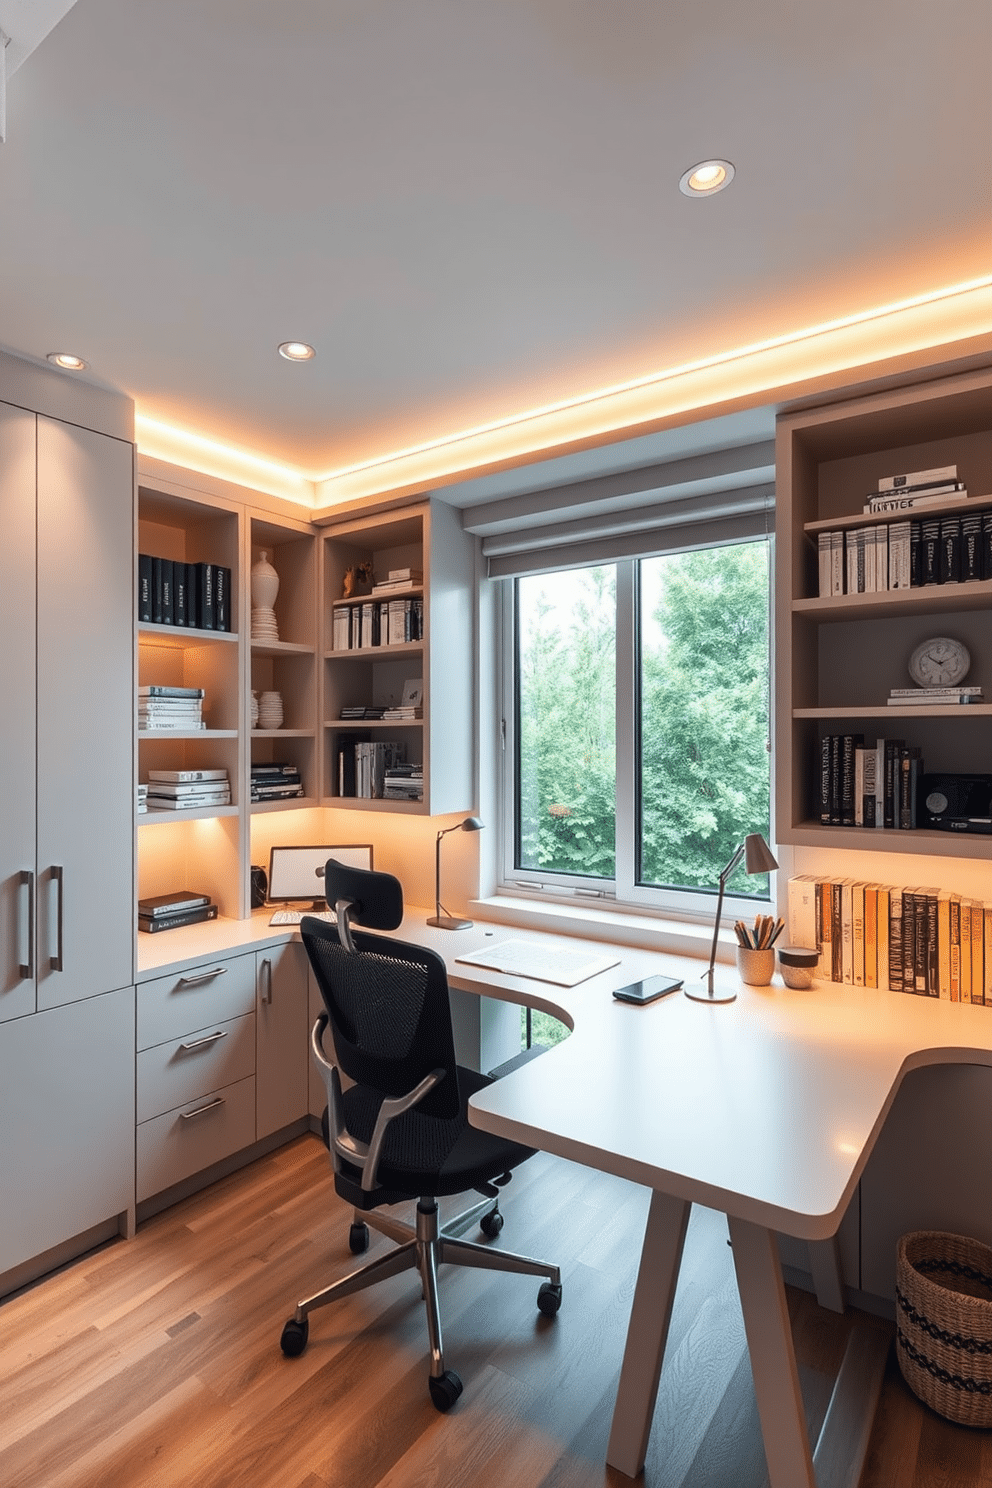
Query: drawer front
[182, 1070]
[180, 1143]
[214, 992]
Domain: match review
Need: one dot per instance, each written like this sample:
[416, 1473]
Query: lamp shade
[758, 856]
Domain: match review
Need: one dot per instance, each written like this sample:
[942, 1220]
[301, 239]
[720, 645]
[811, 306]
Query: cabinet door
[67, 1114]
[85, 722]
[17, 688]
[281, 1032]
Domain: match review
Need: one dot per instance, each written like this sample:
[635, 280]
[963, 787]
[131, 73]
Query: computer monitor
[297, 873]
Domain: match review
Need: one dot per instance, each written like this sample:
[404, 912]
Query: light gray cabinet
[282, 1050]
[67, 1118]
[66, 607]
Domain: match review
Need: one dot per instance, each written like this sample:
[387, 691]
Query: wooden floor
[157, 1362]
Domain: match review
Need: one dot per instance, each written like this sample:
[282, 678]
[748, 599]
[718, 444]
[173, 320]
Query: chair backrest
[387, 1002]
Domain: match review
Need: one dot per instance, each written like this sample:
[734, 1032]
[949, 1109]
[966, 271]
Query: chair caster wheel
[549, 1298]
[490, 1224]
[358, 1238]
[445, 1389]
[294, 1337]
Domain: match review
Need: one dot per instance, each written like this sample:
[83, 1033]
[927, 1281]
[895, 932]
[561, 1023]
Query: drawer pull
[26, 880]
[203, 976]
[58, 879]
[211, 1038]
[266, 970]
[201, 1110]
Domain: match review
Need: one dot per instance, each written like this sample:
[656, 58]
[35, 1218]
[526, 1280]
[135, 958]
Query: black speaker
[259, 887]
[957, 803]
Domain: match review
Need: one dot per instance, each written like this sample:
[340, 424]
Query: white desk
[766, 1108]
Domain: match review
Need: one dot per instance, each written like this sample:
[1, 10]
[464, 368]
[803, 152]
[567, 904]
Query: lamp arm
[719, 906]
[437, 876]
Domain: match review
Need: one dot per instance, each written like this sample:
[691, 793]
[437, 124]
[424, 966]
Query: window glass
[566, 723]
[703, 758]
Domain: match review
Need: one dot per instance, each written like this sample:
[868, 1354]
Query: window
[637, 699]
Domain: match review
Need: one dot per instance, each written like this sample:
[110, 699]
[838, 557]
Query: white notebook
[542, 963]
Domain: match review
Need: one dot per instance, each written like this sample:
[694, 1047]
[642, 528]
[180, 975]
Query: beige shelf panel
[351, 725]
[155, 818]
[916, 513]
[889, 839]
[182, 637]
[281, 648]
[295, 803]
[936, 599]
[952, 710]
[282, 733]
[376, 653]
[184, 734]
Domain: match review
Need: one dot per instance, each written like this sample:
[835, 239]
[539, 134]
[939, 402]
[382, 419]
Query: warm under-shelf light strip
[939, 317]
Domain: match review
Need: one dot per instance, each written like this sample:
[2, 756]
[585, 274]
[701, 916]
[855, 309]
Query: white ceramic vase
[264, 583]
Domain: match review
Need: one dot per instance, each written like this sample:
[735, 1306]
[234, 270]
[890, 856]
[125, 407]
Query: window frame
[622, 891]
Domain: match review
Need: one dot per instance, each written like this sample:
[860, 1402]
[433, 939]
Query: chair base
[424, 1247]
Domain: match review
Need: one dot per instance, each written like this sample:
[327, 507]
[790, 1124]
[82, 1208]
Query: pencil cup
[755, 967]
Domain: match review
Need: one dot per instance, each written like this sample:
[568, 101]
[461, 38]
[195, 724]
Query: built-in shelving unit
[839, 656]
[426, 537]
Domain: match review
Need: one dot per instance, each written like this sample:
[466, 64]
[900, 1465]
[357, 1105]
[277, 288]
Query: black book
[192, 603]
[909, 772]
[933, 959]
[950, 550]
[891, 796]
[930, 551]
[179, 594]
[909, 912]
[156, 591]
[836, 947]
[825, 751]
[167, 596]
[222, 597]
[915, 555]
[144, 588]
[849, 744]
[205, 606]
[836, 744]
[971, 547]
[166, 904]
[347, 778]
[987, 545]
[153, 924]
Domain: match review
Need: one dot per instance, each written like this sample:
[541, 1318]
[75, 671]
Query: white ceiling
[471, 207]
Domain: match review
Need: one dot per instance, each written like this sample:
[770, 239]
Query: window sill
[617, 926]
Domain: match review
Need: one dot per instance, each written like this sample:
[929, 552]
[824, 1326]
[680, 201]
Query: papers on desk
[542, 963]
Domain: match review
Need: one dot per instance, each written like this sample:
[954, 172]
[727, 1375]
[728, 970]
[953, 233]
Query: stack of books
[933, 697]
[359, 711]
[362, 766]
[400, 581]
[403, 783]
[873, 786]
[401, 711]
[194, 595]
[169, 911]
[915, 489]
[142, 800]
[187, 790]
[176, 709]
[278, 781]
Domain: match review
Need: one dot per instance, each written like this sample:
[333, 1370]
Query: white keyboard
[294, 916]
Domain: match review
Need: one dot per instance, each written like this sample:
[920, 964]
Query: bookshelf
[427, 537]
[838, 656]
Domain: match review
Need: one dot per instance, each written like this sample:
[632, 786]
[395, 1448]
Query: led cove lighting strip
[182, 444]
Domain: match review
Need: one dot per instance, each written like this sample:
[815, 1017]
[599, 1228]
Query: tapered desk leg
[773, 1359]
[651, 1313]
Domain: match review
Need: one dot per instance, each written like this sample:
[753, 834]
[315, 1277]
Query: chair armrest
[361, 1154]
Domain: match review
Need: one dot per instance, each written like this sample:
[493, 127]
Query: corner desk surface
[766, 1108]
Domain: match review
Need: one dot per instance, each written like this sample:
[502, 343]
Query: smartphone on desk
[649, 990]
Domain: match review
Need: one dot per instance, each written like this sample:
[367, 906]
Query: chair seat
[428, 1155]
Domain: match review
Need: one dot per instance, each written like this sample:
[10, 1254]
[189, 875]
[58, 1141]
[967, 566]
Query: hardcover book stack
[193, 595]
[362, 766]
[924, 940]
[934, 697]
[278, 781]
[869, 786]
[920, 546]
[187, 790]
[170, 911]
[404, 783]
[179, 709]
[142, 802]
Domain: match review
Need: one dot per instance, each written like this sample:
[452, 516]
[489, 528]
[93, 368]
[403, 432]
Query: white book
[910, 500]
[802, 911]
[880, 782]
[182, 777]
[919, 478]
[881, 559]
[899, 555]
[823, 560]
[870, 584]
[837, 562]
[859, 786]
[851, 564]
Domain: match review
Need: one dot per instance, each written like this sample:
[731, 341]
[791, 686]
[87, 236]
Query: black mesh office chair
[401, 1131]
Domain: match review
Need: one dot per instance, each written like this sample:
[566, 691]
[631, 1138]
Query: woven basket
[944, 1323]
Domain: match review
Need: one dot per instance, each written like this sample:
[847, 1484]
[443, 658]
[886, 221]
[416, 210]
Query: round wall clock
[939, 662]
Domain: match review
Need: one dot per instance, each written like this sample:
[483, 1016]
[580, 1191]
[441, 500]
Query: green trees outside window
[699, 762]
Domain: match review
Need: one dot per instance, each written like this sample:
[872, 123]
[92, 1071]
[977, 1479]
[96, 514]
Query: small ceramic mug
[798, 966]
[755, 967]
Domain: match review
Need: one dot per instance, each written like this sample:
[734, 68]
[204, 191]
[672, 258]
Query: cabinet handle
[203, 976]
[202, 1043]
[201, 1110]
[58, 878]
[266, 970]
[26, 879]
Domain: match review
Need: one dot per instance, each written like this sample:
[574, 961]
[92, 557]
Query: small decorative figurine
[357, 580]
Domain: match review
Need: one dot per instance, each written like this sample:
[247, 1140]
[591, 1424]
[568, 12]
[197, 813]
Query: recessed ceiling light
[66, 360]
[296, 351]
[706, 178]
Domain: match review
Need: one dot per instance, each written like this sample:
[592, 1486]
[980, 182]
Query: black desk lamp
[758, 858]
[445, 921]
